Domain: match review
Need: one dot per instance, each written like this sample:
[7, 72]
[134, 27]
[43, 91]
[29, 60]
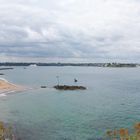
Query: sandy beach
[7, 87]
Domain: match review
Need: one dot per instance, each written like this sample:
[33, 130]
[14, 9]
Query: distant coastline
[9, 64]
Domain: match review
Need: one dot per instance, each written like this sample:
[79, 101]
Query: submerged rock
[66, 87]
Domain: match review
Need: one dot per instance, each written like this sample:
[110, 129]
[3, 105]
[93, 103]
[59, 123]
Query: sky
[70, 30]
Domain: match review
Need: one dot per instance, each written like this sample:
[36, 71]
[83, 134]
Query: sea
[111, 101]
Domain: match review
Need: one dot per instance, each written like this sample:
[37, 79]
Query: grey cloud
[70, 29]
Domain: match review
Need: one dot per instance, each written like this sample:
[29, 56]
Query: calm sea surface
[111, 101]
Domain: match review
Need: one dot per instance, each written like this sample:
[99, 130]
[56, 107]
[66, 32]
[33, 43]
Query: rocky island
[66, 87]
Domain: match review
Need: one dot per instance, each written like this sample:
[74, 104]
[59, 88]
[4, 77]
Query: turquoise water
[111, 101]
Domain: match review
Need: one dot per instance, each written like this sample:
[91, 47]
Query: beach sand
[6, 87]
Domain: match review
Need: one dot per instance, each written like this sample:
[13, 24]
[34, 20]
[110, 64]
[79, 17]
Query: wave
[3, 79]
[3, 95]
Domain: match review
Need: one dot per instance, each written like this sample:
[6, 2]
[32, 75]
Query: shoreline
[7, 87]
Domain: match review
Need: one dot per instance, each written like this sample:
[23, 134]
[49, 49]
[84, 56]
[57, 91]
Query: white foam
[2, 95]
[3, 79]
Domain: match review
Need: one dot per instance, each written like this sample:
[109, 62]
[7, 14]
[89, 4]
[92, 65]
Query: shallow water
[111, 101]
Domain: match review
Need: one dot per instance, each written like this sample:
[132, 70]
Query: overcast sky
[70, 30]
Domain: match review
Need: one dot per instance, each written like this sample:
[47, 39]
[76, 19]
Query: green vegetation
[6, 133]
[123, 133]
[119, 65]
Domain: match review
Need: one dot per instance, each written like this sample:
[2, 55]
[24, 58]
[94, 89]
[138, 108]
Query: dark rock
[66, 87]
[6, 68]
[43, 86]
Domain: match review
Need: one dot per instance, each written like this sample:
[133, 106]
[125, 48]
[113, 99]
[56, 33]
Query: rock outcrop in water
[43, 86]
[66, 87]
[6, 68]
